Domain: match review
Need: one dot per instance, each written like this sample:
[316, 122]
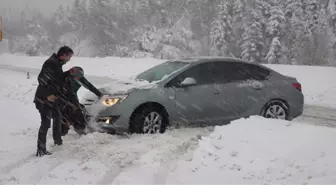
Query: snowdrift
[261, 151]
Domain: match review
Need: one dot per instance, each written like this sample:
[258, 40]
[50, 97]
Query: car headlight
[110, 101]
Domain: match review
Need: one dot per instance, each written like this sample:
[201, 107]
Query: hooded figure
[74, 113]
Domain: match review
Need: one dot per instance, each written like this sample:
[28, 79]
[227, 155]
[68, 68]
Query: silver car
[194, 92]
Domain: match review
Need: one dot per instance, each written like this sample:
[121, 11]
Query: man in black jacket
[52, 86]
[73, 111]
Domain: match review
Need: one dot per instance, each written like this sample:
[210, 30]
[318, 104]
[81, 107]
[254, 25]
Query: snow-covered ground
[259, 151]
[248, 151]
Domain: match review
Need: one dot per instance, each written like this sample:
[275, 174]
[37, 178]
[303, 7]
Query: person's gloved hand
[100, 96]
[52, 98]
[103, 96]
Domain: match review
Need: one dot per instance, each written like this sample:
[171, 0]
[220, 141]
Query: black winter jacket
[51, 80]
[74, 86]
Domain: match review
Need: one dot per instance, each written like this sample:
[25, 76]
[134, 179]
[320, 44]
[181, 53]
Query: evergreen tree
[276, 23]
[274, 54]
[253, 46]
[221, 32]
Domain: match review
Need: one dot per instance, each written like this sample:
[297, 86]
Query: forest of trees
[263, 31]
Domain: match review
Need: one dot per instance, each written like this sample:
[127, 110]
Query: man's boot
[58, 143]
[42, 152]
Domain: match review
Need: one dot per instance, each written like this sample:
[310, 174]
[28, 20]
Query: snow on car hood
[124, 86]
[117, 87]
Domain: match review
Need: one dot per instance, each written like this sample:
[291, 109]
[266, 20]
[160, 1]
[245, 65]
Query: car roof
[202, 59]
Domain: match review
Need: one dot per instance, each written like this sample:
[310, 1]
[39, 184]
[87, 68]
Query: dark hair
[65, 50]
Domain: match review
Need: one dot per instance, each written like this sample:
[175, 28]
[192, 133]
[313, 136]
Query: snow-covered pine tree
[62, 19]
[332, 17]
[276, 23]
[312, 8]
[274, 54]
[221, 32]
[239, 7]
[38, 38]
[253, 46]
[296, 30]
[103, 27]
[78, 16]
[275, 30]
[316, 52]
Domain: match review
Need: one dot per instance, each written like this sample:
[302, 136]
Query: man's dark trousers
[47, 113]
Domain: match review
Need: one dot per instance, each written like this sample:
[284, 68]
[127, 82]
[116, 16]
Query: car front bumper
[114, 124]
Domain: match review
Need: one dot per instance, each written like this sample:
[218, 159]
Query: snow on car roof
[211, 58]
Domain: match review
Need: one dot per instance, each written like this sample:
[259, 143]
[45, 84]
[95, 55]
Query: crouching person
[74, 112]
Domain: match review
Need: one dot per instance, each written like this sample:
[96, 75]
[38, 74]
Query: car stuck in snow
[195, 91]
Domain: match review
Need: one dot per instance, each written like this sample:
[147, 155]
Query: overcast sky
[44, 6]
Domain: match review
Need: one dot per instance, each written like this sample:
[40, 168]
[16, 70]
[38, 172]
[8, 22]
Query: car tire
[149, 120]
[276, 109]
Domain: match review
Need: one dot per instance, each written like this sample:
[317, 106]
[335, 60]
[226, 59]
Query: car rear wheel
[276, 110]
[149, 120]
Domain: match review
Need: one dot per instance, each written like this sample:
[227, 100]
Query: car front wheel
[149, 120]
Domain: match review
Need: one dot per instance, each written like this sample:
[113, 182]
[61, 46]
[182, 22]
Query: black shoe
[42, 152]
[58, 143]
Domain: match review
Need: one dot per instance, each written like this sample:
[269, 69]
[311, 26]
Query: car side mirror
[188, 82]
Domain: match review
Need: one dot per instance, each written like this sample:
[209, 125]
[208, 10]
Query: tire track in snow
[17, 164]
[111, 175]
[162, 158]
[118, 155]
[53, 162]
[318, 115]
[169, 158]
[37, 171]
[182, 152]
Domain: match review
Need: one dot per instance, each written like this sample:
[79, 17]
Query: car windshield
[160, 71]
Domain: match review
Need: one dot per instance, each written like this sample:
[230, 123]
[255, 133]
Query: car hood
[118, 87]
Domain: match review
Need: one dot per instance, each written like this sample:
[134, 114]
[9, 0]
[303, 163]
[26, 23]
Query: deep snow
[259, 151]
[248, 151]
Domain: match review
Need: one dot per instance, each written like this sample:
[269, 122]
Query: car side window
[258, 72]
[201, 73]
[226, 72]
[251, 71]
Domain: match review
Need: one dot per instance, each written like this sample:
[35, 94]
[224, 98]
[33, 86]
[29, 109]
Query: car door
[239, 91]
[195, 103]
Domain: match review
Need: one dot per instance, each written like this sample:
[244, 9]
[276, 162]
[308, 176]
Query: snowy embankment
[259, 151]
[253, 150]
